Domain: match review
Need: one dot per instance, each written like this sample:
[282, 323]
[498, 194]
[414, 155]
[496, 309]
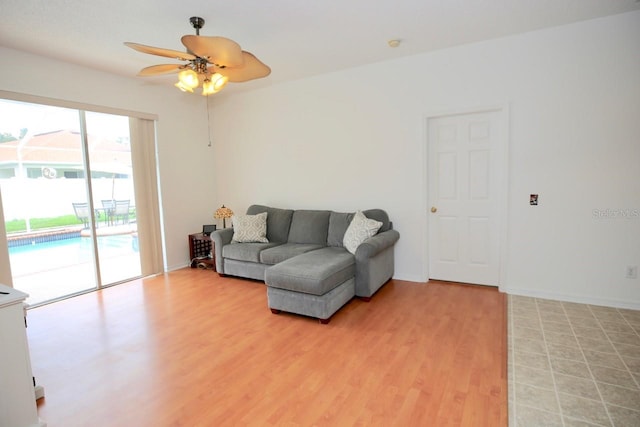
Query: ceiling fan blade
[219, 51]
[155, 70]
[253, 68]
[176, 54]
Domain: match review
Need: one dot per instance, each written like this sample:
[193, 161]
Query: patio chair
[82, 213]
[109, 207]
[122, 210]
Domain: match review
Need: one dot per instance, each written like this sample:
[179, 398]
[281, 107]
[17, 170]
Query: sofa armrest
[221, 238]
[376, 244]
[375, 262]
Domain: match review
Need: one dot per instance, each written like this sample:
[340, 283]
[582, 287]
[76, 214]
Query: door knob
[434, 209]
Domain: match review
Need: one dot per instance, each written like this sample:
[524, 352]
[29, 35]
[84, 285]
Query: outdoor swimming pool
[49, 266]
[68, 251]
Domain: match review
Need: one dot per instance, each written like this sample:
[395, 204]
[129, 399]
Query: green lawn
[18, 225]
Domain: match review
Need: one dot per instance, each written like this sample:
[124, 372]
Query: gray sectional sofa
[304, 264]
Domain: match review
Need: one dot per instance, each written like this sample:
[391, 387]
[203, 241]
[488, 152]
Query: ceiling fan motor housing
[197, 23]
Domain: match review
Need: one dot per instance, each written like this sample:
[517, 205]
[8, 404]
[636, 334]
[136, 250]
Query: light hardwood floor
[192, 349]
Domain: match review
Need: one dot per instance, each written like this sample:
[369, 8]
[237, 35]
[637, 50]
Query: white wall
[186, 173]
[355, 139]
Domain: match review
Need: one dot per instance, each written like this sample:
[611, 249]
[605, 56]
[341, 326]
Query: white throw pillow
[360, 229]
[250, 228]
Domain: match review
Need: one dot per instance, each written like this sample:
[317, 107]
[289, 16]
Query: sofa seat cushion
[245, 251]
[316, 272]
[281, 253]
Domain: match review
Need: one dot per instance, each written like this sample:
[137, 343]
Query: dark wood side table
[201, 251]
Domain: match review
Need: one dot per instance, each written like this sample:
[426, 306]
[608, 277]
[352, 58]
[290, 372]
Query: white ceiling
[296, 38]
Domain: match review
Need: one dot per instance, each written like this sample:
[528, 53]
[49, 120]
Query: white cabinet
[17, 397]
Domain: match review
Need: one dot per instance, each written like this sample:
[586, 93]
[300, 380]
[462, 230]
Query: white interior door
[465, 191]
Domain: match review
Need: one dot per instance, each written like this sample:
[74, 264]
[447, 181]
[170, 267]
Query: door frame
[503, 111]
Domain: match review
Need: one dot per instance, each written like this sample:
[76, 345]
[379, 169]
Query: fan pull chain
[208, 121]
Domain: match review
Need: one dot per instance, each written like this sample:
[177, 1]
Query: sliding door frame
[144, 158]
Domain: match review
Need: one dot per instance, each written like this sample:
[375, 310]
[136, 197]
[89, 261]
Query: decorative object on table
[223, 213]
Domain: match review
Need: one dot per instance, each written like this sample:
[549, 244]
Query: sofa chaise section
[314, 284]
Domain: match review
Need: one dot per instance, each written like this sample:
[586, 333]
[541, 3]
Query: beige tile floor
[572, 364]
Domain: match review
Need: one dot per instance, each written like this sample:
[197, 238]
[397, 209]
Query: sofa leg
[365, 299]
[222, 275]
[324, 321]
[275, 311]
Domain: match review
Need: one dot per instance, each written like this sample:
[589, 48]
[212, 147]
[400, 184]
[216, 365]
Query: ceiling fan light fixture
[188, 78]
[214, 84]
[219, 81]
[208, 88]
[183, 87]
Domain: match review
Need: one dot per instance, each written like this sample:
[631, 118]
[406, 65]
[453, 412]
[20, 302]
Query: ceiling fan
[212, 62]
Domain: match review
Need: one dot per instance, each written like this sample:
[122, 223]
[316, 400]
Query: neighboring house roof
[64, 147]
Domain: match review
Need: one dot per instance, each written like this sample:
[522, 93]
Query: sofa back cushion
[309, 226]
[338, 224]
[278, 222]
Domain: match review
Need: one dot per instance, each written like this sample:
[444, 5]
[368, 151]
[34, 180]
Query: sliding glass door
[68, 197]
[113, 192]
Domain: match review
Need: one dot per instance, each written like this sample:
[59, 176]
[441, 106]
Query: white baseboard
[581, 299]
[409, 278]
[177, 267]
